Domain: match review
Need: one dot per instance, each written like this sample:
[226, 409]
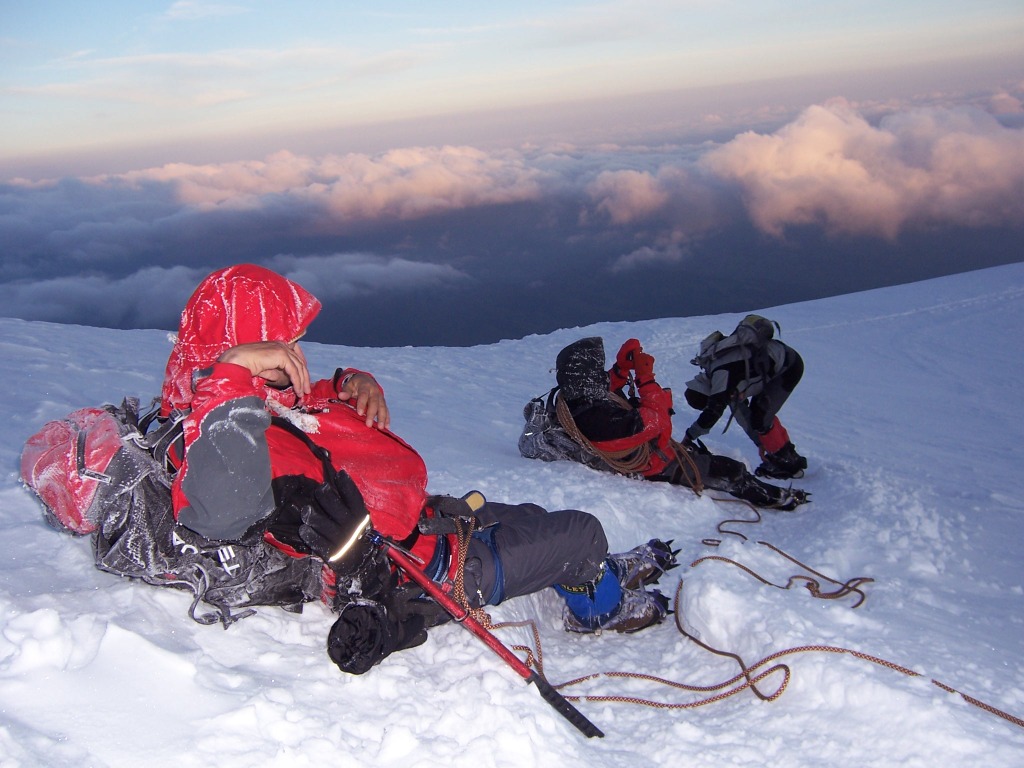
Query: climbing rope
[850, 586]
[693, 480]
[480, 614]
[631, 460]
[748, 678]
[463, 532]
[626, 462]
[751, 675]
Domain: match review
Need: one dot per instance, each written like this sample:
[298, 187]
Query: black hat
[580, 369]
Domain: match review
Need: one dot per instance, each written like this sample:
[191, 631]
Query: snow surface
[908, 412]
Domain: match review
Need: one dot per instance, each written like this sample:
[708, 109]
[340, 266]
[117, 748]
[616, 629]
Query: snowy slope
[908, 413]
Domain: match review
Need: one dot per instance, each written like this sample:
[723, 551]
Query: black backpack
[544, 438]
[748, 342]
[751, 336]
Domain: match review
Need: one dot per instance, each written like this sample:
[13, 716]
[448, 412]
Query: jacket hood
[237, 305]
[580, 371]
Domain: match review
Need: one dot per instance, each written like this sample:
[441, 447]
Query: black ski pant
[769, 401]
[720, 473]
[522, 548]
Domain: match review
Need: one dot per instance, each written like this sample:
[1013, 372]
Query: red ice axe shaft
[463, 617]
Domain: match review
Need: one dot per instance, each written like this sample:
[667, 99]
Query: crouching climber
[751, 373]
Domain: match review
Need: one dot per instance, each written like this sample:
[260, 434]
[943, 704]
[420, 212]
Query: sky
[465, 172]
[915, 483]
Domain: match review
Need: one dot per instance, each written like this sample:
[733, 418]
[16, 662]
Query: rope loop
[629, 461]
[626, 462]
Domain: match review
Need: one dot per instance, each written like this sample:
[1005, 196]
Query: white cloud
[350, 274]
[917, 168]
[402, 183]
[143, 299]
[152, 297]
[1004, 103]
[629, 207]
[670, 249]
[628, 196]
[414, 182]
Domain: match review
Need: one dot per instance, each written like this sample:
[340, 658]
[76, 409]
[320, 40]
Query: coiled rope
[631, 460]
[626, 462]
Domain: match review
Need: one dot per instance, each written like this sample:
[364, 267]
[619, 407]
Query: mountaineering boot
[791, 499]
[779, 458]
[762, 494]
[783, 464]
[758, 493]
[644, 564]
[638, 609]
[603, 604]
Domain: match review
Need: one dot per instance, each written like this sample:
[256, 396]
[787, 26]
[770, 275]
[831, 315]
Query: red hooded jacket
[233, 452]
[655, 411]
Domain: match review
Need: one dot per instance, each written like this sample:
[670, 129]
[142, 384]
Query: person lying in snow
[634, 436]
[248, 473]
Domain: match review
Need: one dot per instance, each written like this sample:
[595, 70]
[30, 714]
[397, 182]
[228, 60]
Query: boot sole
[787, 476]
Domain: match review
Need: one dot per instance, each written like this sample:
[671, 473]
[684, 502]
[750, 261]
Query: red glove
[643, 364]
[627, 354]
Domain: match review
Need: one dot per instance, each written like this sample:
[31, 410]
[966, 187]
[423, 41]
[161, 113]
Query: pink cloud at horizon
[922, 167]
[830, 167]
[403, 183]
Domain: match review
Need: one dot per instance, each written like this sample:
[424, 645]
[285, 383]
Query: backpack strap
[321, 453]
[158, 442]
[167, 434]
[551, 399]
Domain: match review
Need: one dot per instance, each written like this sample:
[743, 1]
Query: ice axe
[462, 616]
[355, 531]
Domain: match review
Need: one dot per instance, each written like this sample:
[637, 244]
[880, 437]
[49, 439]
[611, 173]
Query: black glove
[693, 442]
[367, 632]
[335, 526]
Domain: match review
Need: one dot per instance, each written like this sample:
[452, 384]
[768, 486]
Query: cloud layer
[831, 167]
[475, 229]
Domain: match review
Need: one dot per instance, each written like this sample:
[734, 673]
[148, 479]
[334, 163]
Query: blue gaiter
[595, 601]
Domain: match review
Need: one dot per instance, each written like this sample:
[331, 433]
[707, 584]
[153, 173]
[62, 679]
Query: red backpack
[101, 472]
[94, 463]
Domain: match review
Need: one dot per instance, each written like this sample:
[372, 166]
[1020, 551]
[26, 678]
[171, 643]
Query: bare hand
[369, 399]
[278, 363]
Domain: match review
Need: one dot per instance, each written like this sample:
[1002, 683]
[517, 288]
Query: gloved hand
[693, 443]
[335, 524]
[368, 631]
[627, 354]
[643, 364]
